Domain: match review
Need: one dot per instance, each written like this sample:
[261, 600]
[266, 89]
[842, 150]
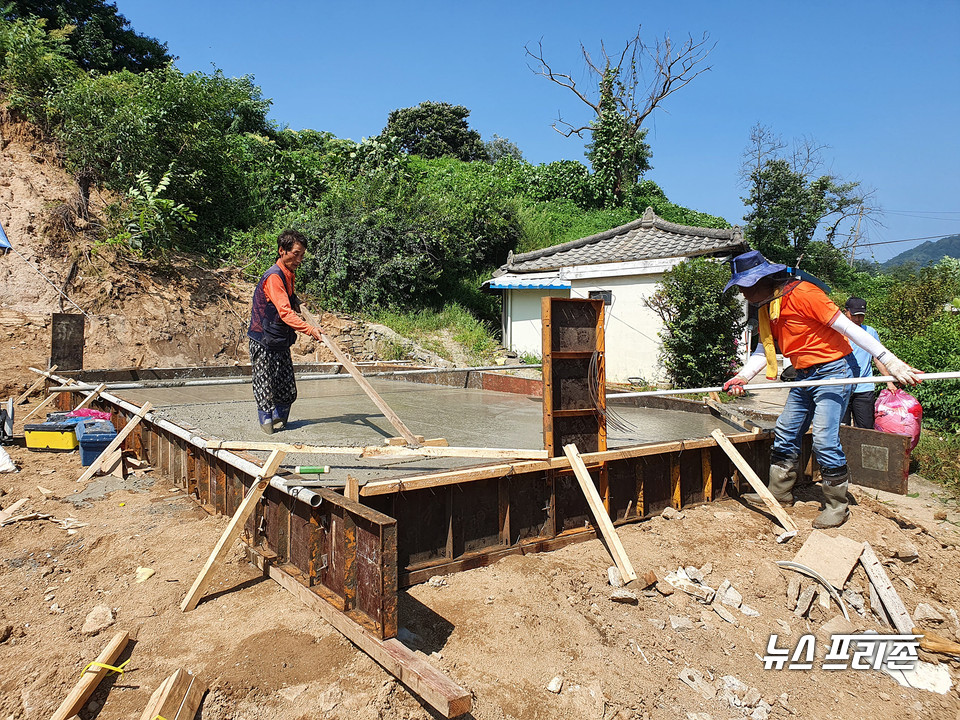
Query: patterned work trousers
[273, 380]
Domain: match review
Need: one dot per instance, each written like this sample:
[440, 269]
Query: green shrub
[702, 323]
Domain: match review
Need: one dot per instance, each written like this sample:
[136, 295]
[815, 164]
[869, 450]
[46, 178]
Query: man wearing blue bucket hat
[810, 330]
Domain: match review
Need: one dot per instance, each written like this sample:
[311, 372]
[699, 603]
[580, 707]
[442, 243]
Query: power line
[891, 242]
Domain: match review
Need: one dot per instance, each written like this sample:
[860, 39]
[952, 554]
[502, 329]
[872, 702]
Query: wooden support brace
[757, 484]
[414, 671]
[232, 532]
[115, 443]
[604, 524]
[40, 381]
[49, 399]
[364, 383]
[94, 394]
[178, 697]
[88, 682]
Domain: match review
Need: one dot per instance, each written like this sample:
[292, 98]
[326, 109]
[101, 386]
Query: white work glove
[899, 369]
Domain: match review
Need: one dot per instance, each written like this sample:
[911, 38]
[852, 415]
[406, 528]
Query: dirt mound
[140, 312]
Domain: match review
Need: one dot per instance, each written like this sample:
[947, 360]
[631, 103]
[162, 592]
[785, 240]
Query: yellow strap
[770, 311]
[118, 669]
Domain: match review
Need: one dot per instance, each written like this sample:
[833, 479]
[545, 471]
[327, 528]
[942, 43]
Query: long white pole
[787, 385]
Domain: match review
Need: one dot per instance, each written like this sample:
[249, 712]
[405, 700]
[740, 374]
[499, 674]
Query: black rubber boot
[783, 475]
[837, 511]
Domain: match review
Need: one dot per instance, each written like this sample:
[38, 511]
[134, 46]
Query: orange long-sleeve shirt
[274, 289]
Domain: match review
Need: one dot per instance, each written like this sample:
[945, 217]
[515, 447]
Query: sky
[876, 82]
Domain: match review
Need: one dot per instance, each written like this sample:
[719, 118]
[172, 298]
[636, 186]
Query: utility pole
[856, 235]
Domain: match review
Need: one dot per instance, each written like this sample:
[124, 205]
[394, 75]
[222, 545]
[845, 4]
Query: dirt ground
[504, 632]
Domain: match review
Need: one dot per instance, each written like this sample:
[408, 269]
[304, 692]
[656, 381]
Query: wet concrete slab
[336, 412]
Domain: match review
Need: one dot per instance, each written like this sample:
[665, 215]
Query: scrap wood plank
[232, 532]
[381, 450]
[604, 524]
[115, 443]
[47, 400]
[757, 484]
[9, 512]
[91, 677]
[891, 601]
[440, 691]
[363, 383]
[94, 394]
[45, 375]
[177, 698]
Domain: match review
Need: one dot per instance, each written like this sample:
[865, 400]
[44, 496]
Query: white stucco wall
[632, 345]
[521, 319]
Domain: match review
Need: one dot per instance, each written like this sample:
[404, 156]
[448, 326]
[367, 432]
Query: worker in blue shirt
[861, 405]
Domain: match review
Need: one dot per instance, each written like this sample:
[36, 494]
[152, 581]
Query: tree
[101, 39]
[624, 101]
[499, 147]
[790, 201]
[434, 130]
[701, 323]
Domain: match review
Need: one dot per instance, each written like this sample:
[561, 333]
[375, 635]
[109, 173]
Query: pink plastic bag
[91, 413]
[900, 413]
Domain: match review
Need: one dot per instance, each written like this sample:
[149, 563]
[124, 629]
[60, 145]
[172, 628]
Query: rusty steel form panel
[545, 510]
[573, 375]
[345, 552]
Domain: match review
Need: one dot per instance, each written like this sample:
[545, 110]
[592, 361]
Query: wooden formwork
[345, 552]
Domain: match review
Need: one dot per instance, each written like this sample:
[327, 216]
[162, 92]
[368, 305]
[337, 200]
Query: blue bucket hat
[749, 268]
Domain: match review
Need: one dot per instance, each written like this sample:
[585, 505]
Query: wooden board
[115, 443]
[381, 450]
[832, 557]
[755, 482]
[364, 383]
[892, 603]
[40, 381]
[46, 402]
[232, 532]
[442, 693]
[88, 682]
[600, 513]
[177, 698]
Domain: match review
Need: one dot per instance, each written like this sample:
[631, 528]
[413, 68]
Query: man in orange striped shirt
[274, 324]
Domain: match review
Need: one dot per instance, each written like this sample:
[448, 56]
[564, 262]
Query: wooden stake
[757, 484]
[604, 524]
[115, 443]
[352, 489]
[364, 383]
[229, 536]
[49, 399]
[88, 682]
[40, 381]
[177, 698]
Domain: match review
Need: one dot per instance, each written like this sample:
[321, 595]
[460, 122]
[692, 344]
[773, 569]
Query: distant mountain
[930, 253]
